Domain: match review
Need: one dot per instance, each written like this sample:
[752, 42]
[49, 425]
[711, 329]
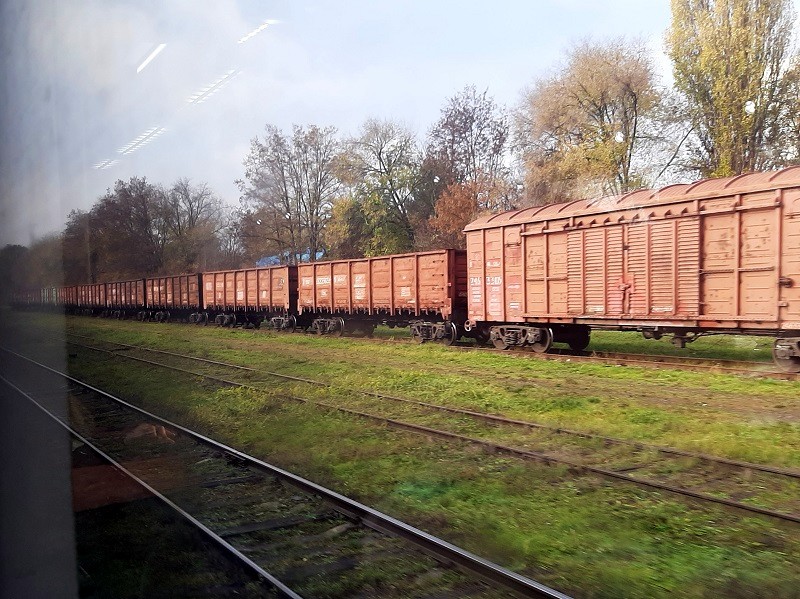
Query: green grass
[723, 347]
[582, 535]
[737, 417]
[141, 549]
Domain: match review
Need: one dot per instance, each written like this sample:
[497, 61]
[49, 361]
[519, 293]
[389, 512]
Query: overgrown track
[314, 541]
[710, 365]
[236, 560]
[689, 363]
[755, 488]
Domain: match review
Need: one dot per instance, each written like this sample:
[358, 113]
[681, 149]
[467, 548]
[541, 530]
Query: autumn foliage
[455, 208]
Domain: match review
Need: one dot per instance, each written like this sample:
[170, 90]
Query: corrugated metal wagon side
[716, 256]
[49, 297]
[67, 297]
[423, 290]
[33, 298]
[174, 297]
[125, 298]
[91, 298]
[251, 297]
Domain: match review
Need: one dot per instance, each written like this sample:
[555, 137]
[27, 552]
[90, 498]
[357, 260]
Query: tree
[231, 249]
[579, 131]
[288, 191]
[456, 207]
[382, 171]
[788, 152]
[192, 215]
[470, 139]
[81, 247]
[461, 203]
[729, 60]
[466, 163]
[141, 229]
[347, 234]
[14, 261]
[128, 230]
[44, 266]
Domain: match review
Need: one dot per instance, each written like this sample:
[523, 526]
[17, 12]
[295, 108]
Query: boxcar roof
[707, 188]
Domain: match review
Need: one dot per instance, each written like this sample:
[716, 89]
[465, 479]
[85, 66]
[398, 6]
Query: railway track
[690, 363]
[151, 525]
[302, 539]
[750, 487]
[711, 365]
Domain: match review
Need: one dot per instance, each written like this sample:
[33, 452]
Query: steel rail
[442, 550]
[496, 447]
[479, 415]
[645, 361]
[688, 363]
[273, 581]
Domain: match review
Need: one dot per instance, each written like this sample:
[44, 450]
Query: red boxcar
[92, 296]
[426, 290]
[720, 255]
[126, 294]
[49, 296]
[173, 296]
[67, 296]
[251, 296]
[32, 298]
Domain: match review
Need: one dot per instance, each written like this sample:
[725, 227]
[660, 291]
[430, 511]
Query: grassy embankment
[580, 534]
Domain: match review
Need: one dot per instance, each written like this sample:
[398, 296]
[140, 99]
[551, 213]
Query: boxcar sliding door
[789, 300]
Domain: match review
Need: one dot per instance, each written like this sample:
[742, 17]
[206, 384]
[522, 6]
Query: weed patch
[585, 536]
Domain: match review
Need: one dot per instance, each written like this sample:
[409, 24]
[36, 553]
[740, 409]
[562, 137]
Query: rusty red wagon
[423, 290]
[716, 256]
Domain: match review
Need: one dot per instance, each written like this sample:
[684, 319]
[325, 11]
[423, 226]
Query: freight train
[715, 256]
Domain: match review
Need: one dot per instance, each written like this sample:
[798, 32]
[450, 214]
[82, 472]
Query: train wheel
[339, 327]
[450, 333]
[784, 362]
[291, 324]
[579, 339]
[545, 342]
[482, 336]
[417, 337]
[499, 343]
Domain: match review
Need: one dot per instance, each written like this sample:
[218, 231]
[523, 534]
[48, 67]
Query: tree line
[135, 229]
[600, 123]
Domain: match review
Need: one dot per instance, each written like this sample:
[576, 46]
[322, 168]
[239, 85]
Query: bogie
[786, 353]
[447, 332]
[540, 339]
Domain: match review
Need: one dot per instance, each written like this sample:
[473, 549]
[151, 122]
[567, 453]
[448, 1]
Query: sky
[80, 109]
